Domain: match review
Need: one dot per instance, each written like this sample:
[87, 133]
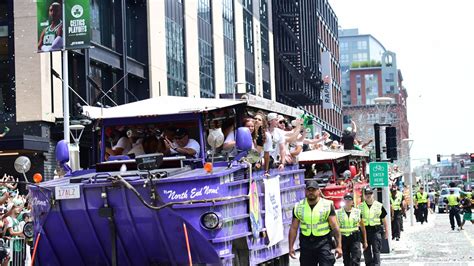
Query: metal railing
[19, 251]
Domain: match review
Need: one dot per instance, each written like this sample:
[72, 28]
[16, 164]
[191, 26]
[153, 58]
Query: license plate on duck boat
[68, 192]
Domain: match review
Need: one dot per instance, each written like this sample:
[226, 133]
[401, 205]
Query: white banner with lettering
[273, 214]
[326, 76]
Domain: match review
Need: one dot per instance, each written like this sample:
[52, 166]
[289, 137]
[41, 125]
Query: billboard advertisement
[63, 27]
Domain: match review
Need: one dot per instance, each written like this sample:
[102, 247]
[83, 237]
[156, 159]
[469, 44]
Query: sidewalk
[400, 250]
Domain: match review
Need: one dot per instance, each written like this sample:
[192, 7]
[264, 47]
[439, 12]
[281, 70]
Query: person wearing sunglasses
[182, 145]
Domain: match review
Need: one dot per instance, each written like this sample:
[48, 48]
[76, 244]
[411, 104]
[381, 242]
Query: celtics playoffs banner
[52, 23]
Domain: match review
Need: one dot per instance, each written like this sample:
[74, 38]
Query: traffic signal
[391, 137]
[461, 162]
[438, 158]
[472, 157]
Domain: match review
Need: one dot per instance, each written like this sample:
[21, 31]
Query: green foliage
[365, 64]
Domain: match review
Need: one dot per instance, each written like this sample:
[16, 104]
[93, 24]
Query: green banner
[77, 28]
[50, 25]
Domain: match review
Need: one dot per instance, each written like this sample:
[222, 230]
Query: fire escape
[297, 53]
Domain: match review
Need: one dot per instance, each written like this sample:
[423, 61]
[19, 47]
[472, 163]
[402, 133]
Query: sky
[434, 43]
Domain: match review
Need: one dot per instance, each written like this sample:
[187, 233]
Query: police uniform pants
[417, 214]
[320, 255]
[374, 241]
[423, 212]
[397, 220]
[351, 250]
[454, 213]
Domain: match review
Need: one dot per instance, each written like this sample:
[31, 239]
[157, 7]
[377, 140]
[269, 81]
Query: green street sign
[378, 174]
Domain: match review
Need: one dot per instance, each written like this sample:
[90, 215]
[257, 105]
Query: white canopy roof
[318, 155]
[163, 105]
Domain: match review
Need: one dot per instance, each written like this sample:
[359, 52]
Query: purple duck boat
[159, 210]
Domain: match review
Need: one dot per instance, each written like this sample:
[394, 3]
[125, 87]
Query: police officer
[422, 203]
[396, 200]
[349, 220]
[316, 217]
[453, 204]
[373, 215]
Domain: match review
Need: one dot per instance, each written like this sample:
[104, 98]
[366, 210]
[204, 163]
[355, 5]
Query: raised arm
[354, 126]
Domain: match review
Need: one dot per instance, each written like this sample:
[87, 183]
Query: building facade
[141, 49]
[304, 30]
[366, 85]
[369, 71]
[356, 48]
[212, 48]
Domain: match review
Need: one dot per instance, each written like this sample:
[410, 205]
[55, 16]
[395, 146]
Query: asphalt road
[433, 243]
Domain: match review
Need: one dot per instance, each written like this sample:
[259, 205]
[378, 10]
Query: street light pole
[410, 178]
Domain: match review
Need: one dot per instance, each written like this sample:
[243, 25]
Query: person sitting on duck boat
[182, 145]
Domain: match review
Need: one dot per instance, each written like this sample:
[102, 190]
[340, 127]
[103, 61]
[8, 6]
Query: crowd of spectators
[15, 213]
[279, 140]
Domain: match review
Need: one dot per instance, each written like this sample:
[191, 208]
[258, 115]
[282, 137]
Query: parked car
[442, 206]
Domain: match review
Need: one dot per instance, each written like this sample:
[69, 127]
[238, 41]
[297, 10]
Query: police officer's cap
[368, 190]
[312, 184]
[348, 196]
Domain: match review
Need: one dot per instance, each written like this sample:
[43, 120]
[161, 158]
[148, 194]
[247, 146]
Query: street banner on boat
[255, 218]
[273, 213]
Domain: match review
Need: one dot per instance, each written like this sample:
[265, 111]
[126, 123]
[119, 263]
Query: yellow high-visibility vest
[371, 216]
[348, 223]
[452, 200]
[397, 202]
[316, 221]
[422, 198]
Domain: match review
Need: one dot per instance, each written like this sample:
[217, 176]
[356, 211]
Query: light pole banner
[50, 25]
[77, 28]
[327, 86]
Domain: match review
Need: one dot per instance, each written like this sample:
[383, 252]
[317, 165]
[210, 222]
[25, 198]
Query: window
[358, 88]
[248, 31]
[344, 58]
[371, 88]
[137, 30]
[248, 44]
[346, 119]
[390, 77]
[229, 45]
[175, 48]
[4, 10]
[206, 57]
[362, 45]
[103, 22]
[344, 46]
[105, 78]
[7, 69]
[265, 52]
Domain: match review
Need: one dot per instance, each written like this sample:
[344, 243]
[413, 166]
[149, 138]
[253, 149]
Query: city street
[430, 244]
